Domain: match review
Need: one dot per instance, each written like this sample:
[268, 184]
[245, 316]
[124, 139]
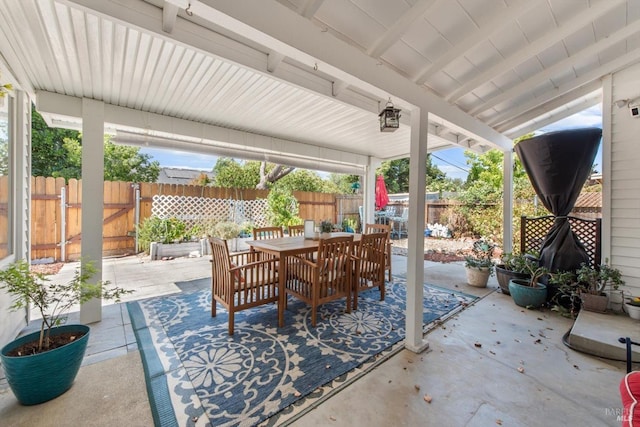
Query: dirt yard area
[438, 250]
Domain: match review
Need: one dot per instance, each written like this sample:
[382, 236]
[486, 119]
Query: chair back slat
[296, 230]
[371, 261]
[264, 233]
[383, 228]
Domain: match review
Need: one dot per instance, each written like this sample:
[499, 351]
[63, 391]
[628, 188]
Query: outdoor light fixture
[389, 118]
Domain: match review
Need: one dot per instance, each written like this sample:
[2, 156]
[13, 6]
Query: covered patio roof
[302, 81]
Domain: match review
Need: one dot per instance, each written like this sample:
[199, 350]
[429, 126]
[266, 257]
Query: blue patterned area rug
[198, 375]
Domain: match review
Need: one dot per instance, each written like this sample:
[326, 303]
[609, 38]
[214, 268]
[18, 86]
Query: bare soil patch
[47, 269]
[438, 250]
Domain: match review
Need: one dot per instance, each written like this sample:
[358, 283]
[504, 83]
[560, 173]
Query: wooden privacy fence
[56, 211]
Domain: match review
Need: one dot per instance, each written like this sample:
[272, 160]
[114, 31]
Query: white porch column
[22, 151]
[415, 262]
[369, 191]
[92, 198]
[507, 203]
[607, 138]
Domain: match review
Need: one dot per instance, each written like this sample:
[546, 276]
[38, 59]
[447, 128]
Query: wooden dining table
[284, 247]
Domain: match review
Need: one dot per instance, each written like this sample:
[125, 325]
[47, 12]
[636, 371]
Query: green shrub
[282, 208]
[226, 230]
[161, 230]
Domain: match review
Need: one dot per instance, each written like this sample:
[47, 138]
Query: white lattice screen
[200, 210]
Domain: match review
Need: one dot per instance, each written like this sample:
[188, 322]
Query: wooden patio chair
[370, 262]
[382, 228]
[327, 279]
[240, 281]
[296, 230]
[267, 233]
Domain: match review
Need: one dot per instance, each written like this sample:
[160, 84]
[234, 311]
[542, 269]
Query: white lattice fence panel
[201, 210]
[252, 211]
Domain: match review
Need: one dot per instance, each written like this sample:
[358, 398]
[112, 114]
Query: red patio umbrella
[382, 197]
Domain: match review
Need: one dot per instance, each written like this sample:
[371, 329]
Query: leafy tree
[48, 154]
[269, 175]
[340, 183]
[282, 208]
[58, 153]
[260, 175]
[231, 174]
[483, 196]
[396, 176]
[301, 180]
[121, 163]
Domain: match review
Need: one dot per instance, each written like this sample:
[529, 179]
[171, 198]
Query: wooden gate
[49, 220]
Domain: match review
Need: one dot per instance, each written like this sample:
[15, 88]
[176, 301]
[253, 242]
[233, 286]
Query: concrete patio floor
[492, 364]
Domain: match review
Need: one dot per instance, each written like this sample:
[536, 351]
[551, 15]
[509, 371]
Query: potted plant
[593, 284]
[42, 365]
[530, 292]
[632, 307]
[227, 230]
[479, 265]
[349, 225]
[326, 227]
[512, 266]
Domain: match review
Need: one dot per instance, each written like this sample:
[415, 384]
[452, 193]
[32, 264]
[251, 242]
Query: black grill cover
[558, 164]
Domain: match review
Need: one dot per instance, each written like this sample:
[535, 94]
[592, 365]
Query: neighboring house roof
[589, 200]
[180, 176]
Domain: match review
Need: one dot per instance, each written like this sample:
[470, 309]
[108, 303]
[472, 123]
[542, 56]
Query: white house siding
[625, 179]
[11, 322]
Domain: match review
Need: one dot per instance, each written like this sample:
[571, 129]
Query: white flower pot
[632, 310]
[477, 277]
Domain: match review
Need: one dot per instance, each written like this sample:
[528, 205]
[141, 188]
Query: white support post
[607, 138]
[415, 261]
[369, 194]
[92, 199]
[21, 136]
[507, 204]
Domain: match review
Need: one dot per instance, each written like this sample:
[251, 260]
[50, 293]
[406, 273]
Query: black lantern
[389, 118]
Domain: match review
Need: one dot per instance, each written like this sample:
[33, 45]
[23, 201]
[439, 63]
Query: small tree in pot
[42, 365]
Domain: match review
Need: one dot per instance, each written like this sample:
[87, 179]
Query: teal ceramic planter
[527, 296]
[41, 377]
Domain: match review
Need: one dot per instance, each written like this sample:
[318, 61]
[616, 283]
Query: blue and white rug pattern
[199, 375]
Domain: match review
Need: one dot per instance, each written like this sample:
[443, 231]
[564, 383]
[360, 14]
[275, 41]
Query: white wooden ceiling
[313, 74]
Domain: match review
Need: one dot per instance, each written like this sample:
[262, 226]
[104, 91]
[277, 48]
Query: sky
[451, 161]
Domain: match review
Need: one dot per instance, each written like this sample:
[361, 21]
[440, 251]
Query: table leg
[282, 296]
